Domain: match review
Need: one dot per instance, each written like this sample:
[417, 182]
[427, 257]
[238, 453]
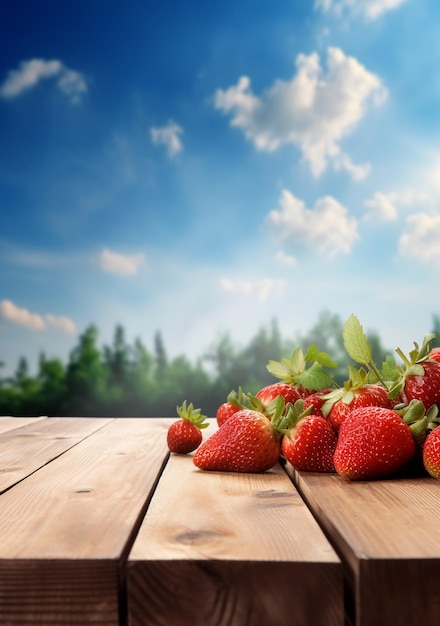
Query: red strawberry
[247, 442]
[373, 442]
[364, 396]
[290, 393]
[434, 355]
[184, 435]
[225, 411]
[431, 453]
[316, 401]
[310, 445]
[424, 386]
[419, 378]
[235, 401]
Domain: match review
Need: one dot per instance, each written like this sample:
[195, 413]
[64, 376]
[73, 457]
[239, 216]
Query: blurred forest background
[123, 380]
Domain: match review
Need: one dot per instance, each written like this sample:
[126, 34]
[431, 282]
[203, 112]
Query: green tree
[52, 389]
[86, 377]
[181, 381]
[436, 330]
[116, 360]
[140, 387]
[160, 354]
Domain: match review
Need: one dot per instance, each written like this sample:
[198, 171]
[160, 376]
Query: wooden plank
[386, 532]
[10, 423]
[231, 549]
[24, 450]
[67, 528]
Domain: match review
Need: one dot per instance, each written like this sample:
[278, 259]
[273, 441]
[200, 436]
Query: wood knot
[197, 537]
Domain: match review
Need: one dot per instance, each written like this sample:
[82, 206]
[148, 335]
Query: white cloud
[314, 110]
[326, 228]
[358, 172]
[61, 323]
[421, 237]
[117, 263]
[16, 315]
[23, 317]
[285, 259]
[30, 73]
[169, 137]
[367, 9]
[259, 290]
[385, 206]
[72, 84]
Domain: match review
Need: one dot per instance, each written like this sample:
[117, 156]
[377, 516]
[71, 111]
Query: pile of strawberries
[381, 421]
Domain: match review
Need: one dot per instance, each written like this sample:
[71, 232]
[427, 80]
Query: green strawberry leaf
[330, 399]
[323, 358]
[297, 361]
[238, 398]
[426, 346]
[280, 369]
[396, 388]
[415, 370]
[315, 378]
[348, 397]
[390, 371]
[356, 378]
[355, 341]
[192, 415]
[304, 370]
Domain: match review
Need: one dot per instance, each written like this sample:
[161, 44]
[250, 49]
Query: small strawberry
[310, 443]
[235, 401]
[184, 435]
[434, 354]
[225, 411]
[373, 442]
[419, 376]
[353, 396]
[289, 393]
[316, 401]
[365, 386]
[247, 442]
[424, 386]
[431, 453]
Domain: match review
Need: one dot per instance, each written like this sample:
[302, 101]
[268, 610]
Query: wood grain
[386, 532]
[231, 549]
[10, 423]
[67, 528]
[26, 449]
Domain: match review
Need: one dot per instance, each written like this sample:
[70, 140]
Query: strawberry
[424, 386]
[316, 401]
[349, 399]
[184, 435]
[225, 411]
[419, 377]
[297, 379]
[373, 442]
[235, 401]
[310, 444]
[431, 453]
[365, 386]
[434, 354]
[247, 442]
[289, 393]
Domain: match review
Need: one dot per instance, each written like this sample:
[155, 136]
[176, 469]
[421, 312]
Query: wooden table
[100, 525]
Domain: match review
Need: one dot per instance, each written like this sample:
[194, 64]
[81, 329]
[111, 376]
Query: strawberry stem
[403, 357]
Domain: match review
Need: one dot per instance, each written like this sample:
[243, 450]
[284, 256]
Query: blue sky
[201, 169]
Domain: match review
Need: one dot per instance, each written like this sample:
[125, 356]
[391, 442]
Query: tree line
[123, 380]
